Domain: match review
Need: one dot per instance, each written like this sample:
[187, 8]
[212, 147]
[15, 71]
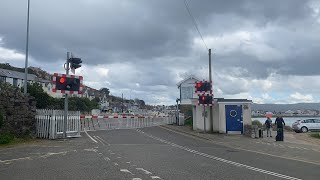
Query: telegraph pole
[66, 100]
[210, 79]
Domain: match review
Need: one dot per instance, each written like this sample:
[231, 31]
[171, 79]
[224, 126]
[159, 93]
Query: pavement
[153, 153]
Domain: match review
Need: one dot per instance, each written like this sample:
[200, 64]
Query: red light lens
[62, 80]
[203, 98]
[198, 85]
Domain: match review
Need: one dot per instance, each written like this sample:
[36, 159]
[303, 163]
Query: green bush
[257, 122]
[1, 119]
[189, 121]
[6, 138]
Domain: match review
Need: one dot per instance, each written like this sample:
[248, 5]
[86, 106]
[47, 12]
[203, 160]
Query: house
[229, 116]
[16, 78]
[187, 90]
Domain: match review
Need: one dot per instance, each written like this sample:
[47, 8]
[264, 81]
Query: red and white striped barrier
[123, 117]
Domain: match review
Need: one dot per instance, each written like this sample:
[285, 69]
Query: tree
[105, 90]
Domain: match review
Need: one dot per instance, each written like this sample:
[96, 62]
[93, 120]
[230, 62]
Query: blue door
[234, 122]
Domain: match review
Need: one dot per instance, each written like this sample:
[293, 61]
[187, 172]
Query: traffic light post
[205, 99]
[68, 84]
[66, 101]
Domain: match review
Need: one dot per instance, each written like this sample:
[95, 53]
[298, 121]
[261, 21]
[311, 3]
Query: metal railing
[49, 123]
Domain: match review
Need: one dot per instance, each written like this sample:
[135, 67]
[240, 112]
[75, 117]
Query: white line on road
[89, 135]
[155, 177]
[103, 140]
[220, 159]
[125, 171]
[95, 137]
[136, 179]
[116, 164]
[145, 171]
[18, 159]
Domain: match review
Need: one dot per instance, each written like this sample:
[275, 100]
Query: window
[186, 92]
[308, 121]
[317, 120]
[2, 79]
[15, 82]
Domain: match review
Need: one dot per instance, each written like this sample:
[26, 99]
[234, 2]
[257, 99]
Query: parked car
[306, 125]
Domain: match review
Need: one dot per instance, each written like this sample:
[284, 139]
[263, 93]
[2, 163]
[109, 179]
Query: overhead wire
[195, 22]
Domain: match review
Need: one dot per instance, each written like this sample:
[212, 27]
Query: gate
[50, 123]
[89, 123]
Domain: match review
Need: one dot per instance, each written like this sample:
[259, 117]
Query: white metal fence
[124, 123]
[50, 123]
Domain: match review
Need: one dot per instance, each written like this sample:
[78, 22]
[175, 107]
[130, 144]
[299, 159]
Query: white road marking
[112, 153]
[92, 149]
[106, 158]
[125, 171]
[18, 159]
[136, 179]
[128, 162]
[89, 135]
[51, 154]
[116, 164]
[119, 157]
[220, 159]
[95, 137]
[155, 177]
[290, 147]
[103, 140]
[145, 171]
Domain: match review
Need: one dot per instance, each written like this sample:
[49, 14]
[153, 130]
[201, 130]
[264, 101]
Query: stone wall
[18, 111]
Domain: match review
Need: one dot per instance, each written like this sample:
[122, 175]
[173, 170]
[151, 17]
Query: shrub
[189, 121]
[315, 135]
[5, 138]
[1, 119]
[257, 122]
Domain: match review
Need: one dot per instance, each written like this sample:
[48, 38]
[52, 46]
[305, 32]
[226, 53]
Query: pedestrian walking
[280, 124]
[268, 125]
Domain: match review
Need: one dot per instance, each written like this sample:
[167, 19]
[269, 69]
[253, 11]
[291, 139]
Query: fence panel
[50, 123]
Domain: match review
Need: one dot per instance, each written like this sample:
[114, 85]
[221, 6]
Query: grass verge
[315, 135]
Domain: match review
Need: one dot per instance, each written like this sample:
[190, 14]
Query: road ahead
[147, 153]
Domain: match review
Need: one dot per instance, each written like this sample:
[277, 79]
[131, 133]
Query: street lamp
[27, 52]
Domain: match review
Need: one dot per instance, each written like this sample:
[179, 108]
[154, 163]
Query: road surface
[146, 153]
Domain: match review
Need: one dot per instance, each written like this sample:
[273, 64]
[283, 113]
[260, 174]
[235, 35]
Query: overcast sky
[267, 51]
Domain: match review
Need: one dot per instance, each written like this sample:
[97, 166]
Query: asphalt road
[147, 153]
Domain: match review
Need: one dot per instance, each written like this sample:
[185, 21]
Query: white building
[187, 90]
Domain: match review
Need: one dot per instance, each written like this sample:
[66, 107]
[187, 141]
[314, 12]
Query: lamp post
[27, 52]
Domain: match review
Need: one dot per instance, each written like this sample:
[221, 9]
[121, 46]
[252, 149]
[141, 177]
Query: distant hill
[285, 107]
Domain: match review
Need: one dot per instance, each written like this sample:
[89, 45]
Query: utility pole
[210, 79]
[66, 100]
[27, 53]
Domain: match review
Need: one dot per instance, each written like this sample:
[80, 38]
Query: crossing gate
[123, 122]
[50, 123]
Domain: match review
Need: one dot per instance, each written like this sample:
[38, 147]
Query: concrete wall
[216, 121]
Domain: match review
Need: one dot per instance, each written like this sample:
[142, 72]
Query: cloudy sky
[267, 51]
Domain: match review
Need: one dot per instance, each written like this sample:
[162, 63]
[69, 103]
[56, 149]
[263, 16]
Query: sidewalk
[291, 148]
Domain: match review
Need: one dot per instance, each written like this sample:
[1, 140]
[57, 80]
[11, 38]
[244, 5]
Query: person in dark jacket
[280, 124]
[268, 124]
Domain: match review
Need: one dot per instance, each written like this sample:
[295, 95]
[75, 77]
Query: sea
[288, 120]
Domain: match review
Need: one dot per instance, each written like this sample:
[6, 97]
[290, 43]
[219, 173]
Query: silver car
[306, 125]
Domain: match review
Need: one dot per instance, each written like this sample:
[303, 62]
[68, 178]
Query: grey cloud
[156, 38]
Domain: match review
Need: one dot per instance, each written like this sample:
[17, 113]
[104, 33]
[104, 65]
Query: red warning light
[198, 85]
[62, 80]
[203, 98]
